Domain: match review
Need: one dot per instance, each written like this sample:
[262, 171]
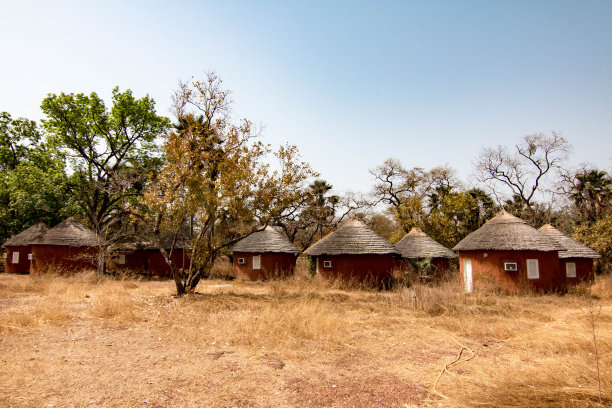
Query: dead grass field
[85, 341]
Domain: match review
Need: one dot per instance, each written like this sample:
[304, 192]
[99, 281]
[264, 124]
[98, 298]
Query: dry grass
[86, 340]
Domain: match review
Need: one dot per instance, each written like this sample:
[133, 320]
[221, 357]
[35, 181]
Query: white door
[257, 262]
[15, 257]
[467, 275]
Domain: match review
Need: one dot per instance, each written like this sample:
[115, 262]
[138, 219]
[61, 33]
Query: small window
[257, 262]
[510, 266]
[121, 260]
[30, 256]
[533, 271]
[570, 270]
[15, 257]
[4, 255]
[327, 264]
[241, 261]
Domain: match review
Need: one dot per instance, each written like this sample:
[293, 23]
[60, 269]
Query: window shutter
[533, 271]
[570, 270]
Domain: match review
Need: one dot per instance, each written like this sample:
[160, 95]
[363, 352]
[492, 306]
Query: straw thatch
[268, 240]
[505, 232]
[27, 237]
[69, 232]
[417, 244]
[352, 238]
[138, 243]
[573, 249]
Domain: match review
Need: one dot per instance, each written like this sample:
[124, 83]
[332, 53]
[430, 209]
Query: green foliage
[32, 182]
[110, 152]
[598, 237]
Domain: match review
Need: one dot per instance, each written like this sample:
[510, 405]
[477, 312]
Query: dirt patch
[385, 391]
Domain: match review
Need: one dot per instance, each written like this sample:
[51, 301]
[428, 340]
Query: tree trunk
[101, 262]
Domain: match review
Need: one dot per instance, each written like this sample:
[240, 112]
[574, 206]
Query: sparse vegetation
[118, 341]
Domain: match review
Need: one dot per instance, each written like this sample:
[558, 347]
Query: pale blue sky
[350, 83]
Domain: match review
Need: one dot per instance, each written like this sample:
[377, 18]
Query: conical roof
[352, 238]
[505, 232]
[69, 232]
[417, 244]
[573, 249]
[25, 238]
[268, 240]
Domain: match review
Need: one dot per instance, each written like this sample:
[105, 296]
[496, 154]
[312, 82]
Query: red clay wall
[584, 270]
[489, 271]
[157, 265]
[272, 265]
[136, 261]
[71, 259]
[23, 266]
[364, 268]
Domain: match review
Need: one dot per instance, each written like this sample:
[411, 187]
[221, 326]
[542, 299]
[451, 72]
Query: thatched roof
[352, 238]
[505, 232]
[268, 240]
[134, 243]
[417, 244]
[25, 238]
[69, 232]
[573, 249]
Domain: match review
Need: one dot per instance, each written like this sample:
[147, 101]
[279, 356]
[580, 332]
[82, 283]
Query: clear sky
[351, 83]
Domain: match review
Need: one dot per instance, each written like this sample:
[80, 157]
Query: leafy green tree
[598, 236]
[110, 153]
[32, 180]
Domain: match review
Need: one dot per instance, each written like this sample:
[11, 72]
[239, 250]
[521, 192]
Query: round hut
[264, 254]
[69, 245]
[509, 254]
[19, 248]
[576, 261]
[353, 252]
[417, 246]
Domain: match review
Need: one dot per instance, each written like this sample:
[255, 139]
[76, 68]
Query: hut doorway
[467, 275]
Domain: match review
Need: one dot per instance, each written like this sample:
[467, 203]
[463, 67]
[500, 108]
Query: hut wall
[584, 270]
[374, 269]
[489, 271]
[136, 261]
[272, 265]
[23, 266]
[70, 259]
[158, 266]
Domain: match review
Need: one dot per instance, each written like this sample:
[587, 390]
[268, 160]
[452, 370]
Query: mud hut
[142, 255]
[19, 248]
[576, 260]
[130, 254]
[417, 246]
[353, 252]
[70, 246]
[263, 255]
[509, 254]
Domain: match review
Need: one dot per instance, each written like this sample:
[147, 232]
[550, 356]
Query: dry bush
[602, 287]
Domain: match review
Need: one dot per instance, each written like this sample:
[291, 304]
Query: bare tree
[523, 170]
